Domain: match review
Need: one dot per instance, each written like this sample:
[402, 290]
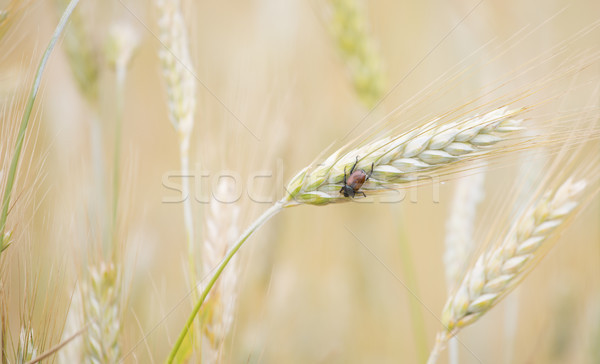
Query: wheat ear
[180, 83]
[221, 232]
[82, 56]
[349, 28]
[400, 159]
[102, 312]
[499, 270]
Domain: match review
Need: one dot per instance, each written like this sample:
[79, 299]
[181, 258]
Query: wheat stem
[416, 314]
[181, 91]
[436, 351]
[25, 120]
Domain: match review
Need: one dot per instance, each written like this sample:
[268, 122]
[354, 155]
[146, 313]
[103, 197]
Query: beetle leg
[362, 193]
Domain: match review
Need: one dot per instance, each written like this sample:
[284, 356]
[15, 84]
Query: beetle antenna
[354, 166]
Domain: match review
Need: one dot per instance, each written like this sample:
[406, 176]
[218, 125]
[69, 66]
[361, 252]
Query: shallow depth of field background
[310, 291]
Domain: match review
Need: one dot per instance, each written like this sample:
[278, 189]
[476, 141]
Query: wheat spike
[350, 30]
[177, 67]
[180, 82]
[499, 270]
[102, 313]
[82, 55]
[400, 159]
[222, 230]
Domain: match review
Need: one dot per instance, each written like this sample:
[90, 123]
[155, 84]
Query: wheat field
[174, 190]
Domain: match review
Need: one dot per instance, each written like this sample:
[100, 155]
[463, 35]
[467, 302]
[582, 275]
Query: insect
[355, 180]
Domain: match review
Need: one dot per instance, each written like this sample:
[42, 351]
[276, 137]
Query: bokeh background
[316, 284]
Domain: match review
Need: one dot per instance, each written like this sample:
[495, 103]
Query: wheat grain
[26, 350]
[400, 159]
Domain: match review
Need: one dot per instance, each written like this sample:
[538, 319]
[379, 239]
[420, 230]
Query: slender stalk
[26, 116]
[418, 323]
[184, 147]
[180, 83]
[437, 349]
[273, 210]
[57, 347]
[120, 73]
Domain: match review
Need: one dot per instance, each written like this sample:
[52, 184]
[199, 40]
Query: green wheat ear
[349, 28]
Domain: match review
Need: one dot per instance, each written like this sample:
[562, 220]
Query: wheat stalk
[14, 164]
[459, 242]
[180, 82]
[121, 45]
[221, 230]
[73, 353]
[400, 159]
[102, 312]
[500, 269]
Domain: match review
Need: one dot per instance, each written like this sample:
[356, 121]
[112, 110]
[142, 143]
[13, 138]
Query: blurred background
[355, 282]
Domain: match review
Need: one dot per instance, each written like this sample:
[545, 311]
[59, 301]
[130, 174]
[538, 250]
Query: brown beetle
[354, 182]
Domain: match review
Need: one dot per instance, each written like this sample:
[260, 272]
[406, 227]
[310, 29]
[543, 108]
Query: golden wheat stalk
[459, 242]
[180, 83]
